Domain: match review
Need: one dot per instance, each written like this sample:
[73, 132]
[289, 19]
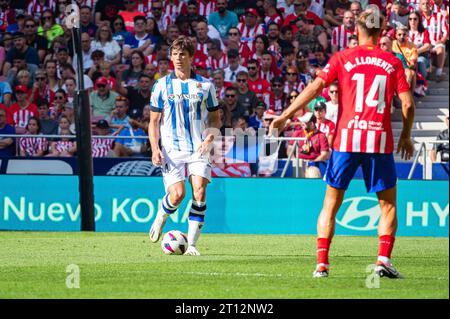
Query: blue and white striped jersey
[184, 106]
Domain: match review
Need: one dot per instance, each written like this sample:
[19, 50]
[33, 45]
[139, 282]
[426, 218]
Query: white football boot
[192, 251]
[157, 226]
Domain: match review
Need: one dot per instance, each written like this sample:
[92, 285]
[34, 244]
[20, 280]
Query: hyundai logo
[359, 213]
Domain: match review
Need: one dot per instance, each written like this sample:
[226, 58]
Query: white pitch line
[233, 274]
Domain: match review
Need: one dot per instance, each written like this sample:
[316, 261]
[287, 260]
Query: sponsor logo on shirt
[356, 123]
[181, 97]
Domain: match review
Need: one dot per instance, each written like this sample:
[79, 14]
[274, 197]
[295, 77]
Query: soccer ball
[174, 242]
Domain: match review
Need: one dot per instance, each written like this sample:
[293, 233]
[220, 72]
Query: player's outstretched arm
[405, 145]
[307, 95]
[153, 135]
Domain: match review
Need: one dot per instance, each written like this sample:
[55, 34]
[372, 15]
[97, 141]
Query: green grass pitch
[127, 265]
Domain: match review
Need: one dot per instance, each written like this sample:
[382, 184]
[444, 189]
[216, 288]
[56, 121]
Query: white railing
[295, 149]
[423, 151]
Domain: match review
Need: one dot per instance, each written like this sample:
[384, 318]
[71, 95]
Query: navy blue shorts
[378, 170]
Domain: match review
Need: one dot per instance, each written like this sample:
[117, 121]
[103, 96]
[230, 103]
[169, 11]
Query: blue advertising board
[234, 205]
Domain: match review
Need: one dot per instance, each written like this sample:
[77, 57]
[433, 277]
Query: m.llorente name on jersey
[370, 61]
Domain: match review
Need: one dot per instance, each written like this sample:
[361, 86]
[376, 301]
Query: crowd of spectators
[259, 54]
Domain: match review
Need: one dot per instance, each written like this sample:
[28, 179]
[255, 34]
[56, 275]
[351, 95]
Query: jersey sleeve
[401, 85]
[156, 100]
[211, 101]
[330, 71]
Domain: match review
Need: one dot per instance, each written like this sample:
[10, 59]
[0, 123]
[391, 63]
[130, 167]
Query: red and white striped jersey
[443, 8]
[33, 145]
[413, 5]
[437, 26]
[220, 63]
[341, 36]
[205, 8]
[244, 51]
[151, 59]
[274, 18]
[327, 127]
[248, 35]
[202, 47]
[101, 147]
[172, 9]
[36, 7]
[21, 116]
[266, 75]
[163, 23]
[368, 78]
[64, 146]
[145, 6]
[275, 103]
[297, 86]
[418, 38]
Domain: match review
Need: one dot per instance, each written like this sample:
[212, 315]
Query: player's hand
[277, 126]
[206, 146]
[405, 147]
[157, 158]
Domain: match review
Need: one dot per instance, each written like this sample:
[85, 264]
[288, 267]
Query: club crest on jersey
[199, 86]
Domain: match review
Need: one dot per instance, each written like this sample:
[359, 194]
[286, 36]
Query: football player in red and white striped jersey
[342, 34]
[437, 25]
[367, 79]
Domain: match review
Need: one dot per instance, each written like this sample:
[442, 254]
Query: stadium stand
[271, 43]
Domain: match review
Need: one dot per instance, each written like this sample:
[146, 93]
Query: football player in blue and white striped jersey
[184, 114]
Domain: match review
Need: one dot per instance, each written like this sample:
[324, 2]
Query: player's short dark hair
[371, 22]
[183, 43]
[252, 61]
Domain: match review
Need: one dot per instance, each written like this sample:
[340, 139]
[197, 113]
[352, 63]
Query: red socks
[323, 246]
[386, 246]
